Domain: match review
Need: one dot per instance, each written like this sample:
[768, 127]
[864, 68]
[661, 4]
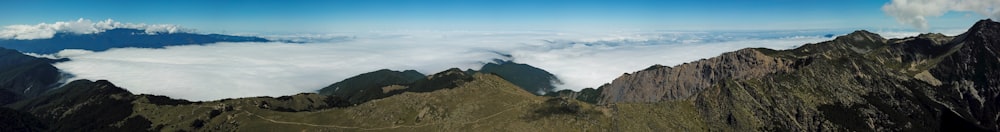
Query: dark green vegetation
[530, 78]
[18, 121]
[372, 85]
[384, 83]
[23, 76]
[856, 82]
[589, 95]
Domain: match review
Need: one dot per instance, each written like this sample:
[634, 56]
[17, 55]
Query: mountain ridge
[23, 76]
[831, 83]
[117, 38]
[856, 82]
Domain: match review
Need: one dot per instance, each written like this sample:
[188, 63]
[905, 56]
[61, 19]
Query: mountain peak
[985, 27]
[931, 35]
[985, 22]
[863, 34]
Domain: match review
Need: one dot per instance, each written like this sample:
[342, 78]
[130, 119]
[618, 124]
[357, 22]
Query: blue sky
[366, 15]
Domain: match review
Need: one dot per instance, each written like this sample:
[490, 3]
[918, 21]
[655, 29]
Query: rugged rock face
[856, 82]
[659, 83]
[972, 72]
[680, 82]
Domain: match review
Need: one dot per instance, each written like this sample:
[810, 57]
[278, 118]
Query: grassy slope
[485, 104]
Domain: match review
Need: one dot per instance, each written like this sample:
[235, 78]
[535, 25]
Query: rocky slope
[857, 82]
[972, 75]
[659, 83]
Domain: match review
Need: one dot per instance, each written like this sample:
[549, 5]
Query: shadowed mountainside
[23, 76]
[368, 86]
[384, 83]
[530, 78]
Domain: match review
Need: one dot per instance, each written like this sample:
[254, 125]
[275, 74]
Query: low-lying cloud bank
[80, 26]
[232, 70]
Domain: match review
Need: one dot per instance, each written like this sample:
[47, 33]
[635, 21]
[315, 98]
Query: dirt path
[377, 128]
[299, 123]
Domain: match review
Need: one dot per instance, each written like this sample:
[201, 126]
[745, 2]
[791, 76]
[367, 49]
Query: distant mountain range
[117, 38]
[856, 82]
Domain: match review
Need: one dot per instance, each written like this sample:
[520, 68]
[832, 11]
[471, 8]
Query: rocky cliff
[856, 82]
[658, 82]
[971, 75]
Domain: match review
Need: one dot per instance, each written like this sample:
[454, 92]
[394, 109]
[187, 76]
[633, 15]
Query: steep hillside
[486, 103]
[658, 83]
[971, 75]
[84, 105]
[478, 102]
[384, 83]
[368, 86]
[857, 82]
[530, 78]
[23, 76]
[19, 121]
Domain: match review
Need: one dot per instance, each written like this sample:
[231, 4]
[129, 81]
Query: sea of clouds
[232, 70]
[307, 62]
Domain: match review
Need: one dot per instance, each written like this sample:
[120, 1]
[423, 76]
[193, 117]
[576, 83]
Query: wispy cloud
[916, 12]
[80, 26]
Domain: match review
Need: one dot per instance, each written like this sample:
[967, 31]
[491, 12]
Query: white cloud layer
[80, 26]
[231, 70]
[916, 12]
